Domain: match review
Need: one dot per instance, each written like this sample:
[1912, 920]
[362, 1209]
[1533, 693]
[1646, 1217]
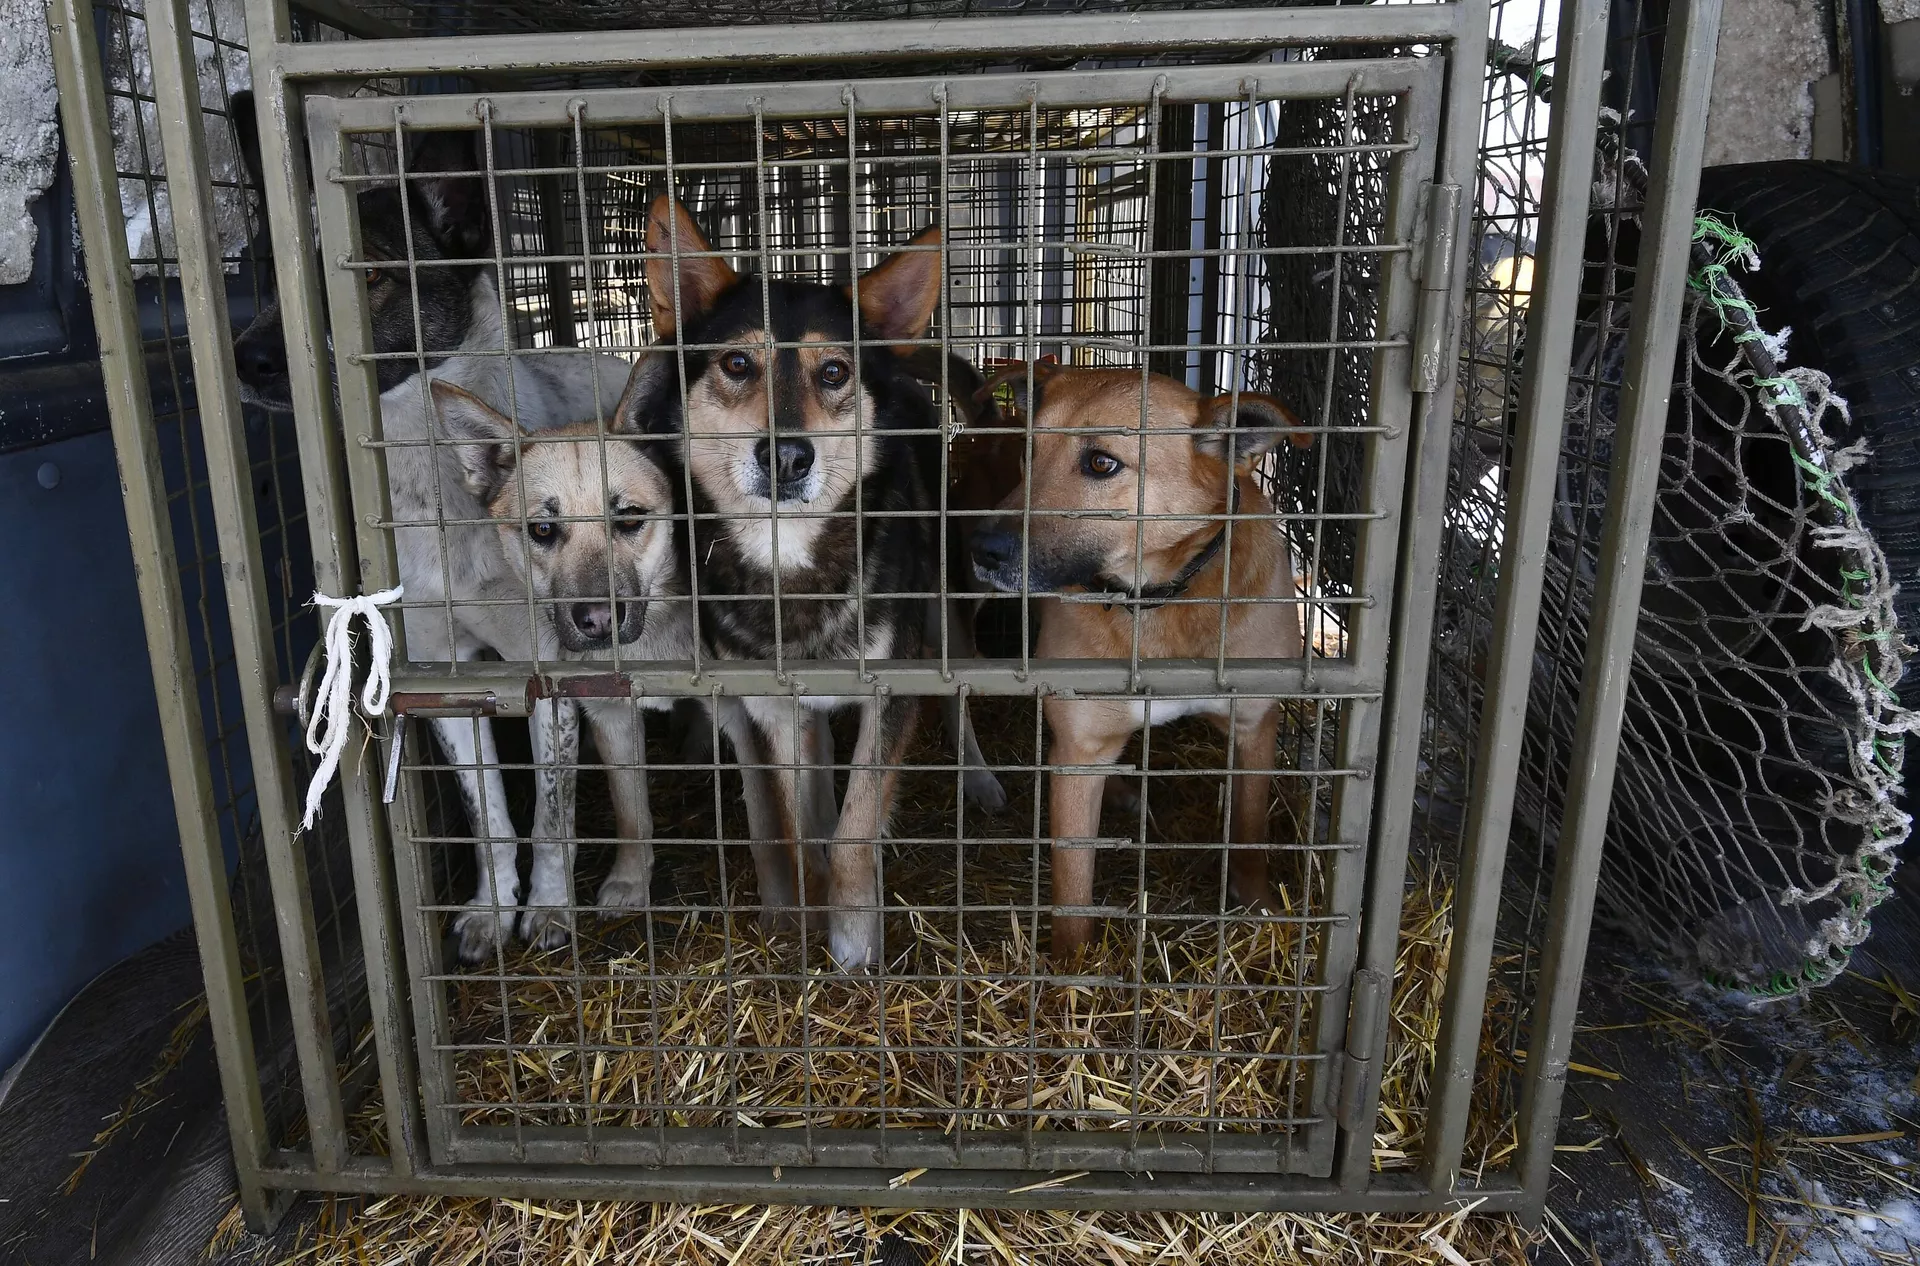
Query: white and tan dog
[584, 522]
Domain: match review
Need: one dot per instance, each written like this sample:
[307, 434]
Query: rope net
[1755, 813]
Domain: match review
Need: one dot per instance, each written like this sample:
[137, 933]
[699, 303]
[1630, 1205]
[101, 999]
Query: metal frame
[1415, 83]
[292, 85]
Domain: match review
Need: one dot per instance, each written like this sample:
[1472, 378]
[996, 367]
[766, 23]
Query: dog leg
[485, 925]
[855, 893]
[620, 731]
[1079, 738]
[771, 815]
[982, 785]
[548, 919]
[1255, 739]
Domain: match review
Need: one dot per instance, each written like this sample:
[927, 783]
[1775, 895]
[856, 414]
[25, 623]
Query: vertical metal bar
[176, 90]
[96, 186]
[1377, 540]
[1550, 330]
[1413, 613]
[553, 228]
[1579, 65]
[335, 568]
[1660, 277]
[431, 1026]
[1211, 266]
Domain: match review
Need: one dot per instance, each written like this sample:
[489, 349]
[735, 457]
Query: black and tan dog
[820, 470]
[1141, 519]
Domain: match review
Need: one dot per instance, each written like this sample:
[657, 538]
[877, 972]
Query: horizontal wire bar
[1085, 157]
[952, 246]
[823, 979]
[1094, 341]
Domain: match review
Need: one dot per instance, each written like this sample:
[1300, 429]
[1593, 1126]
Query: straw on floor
[665, 1019]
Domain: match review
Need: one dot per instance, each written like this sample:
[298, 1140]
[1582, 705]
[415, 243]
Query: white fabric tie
[333, 701]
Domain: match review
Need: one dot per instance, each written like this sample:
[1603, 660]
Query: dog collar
[1148, 597]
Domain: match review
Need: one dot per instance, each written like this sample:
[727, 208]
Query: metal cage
[1289, 201]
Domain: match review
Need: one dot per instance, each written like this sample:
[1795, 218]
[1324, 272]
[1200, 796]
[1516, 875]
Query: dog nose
[260, 359]
[995, 548]
[794, 458]
[593, 619]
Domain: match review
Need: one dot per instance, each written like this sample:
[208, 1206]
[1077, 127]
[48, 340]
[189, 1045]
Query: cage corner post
[1550, 338]
[82, 88]
[209, 330]
[1442, 279]
[337, 568]
[1653, 332]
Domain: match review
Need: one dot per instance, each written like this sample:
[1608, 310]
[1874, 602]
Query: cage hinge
[1435, 266]
[1365, 1012]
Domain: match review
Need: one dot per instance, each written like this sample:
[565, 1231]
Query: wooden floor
[1704, 1134]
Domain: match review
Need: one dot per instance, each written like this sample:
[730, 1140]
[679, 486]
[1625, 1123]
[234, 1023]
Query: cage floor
[1658, 1157]
[1187, 1020]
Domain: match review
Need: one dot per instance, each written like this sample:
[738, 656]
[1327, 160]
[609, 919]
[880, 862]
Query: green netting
[1756, 808]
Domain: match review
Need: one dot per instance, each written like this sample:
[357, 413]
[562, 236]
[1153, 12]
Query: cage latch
[1436, 287]
[1368, 1006]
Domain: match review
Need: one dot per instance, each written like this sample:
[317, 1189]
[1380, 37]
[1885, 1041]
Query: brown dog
[1093, 472]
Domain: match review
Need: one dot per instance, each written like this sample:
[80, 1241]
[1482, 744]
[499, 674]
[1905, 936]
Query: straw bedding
[664, 1019]
[673, 1018]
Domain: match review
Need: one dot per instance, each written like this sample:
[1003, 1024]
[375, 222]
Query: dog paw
[623, 893]
[546, 927]
[984, 791]
[483, 930]
[854, 937]
[1071, 934]
[1257, 899]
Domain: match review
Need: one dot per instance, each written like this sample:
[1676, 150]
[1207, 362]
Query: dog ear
[1013, 374]
[1241, 428]
[965, 387]
[640, 410]
[898, 295]
[481, 436]
[702, 279]
[455, 195]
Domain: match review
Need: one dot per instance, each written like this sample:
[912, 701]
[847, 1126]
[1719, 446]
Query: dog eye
[544, 531]
[736, 364]
[835, 373]
[627, 522]
[1099, 464]
[375, 276]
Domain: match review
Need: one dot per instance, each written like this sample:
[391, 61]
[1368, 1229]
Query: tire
[1840, 264]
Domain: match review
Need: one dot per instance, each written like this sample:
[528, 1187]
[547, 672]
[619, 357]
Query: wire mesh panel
[892, 576]
[651, 995]
[270, 503]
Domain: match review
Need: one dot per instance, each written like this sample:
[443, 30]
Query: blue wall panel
[89, 859]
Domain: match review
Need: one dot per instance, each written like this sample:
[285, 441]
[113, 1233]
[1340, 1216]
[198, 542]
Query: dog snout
[996, 556]
[593, 620]
[594, 625]
[785, 461]
[588, 625]
[260, 358]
